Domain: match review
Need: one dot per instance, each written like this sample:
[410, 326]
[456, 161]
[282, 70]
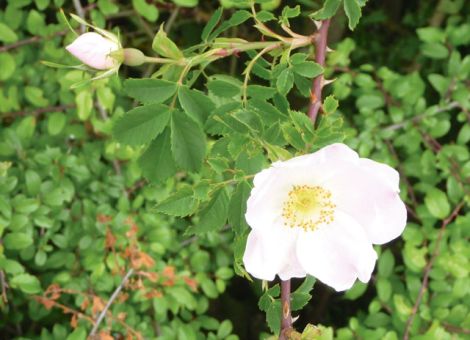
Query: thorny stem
[317, 86]
[315, 105]
[286, 318]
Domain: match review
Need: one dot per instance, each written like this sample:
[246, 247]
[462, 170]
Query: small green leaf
[223, 88]
[353, 12]
[330, 105]
[149, 91]
[237, 207]
[188, 141]
[285, 81]
[437, 203]
[330, 7]
[148, 11]
[165, 47]
[181, 203]
[308, 69]
[142, 124]
[157, 162]
[56, 123]
[195, 103]
[27, 283]
[214, 215]
[7, 65]
[17, 241]
[7, 35]
[213, 21]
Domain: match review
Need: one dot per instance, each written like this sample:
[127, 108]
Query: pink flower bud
[94, 50]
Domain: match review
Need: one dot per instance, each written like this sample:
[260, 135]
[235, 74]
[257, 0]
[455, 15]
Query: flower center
[307, 207]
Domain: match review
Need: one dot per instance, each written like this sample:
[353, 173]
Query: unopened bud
[133, 57]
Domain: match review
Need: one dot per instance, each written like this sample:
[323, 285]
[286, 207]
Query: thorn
[329, 49]
[317, 24]
[325, 82]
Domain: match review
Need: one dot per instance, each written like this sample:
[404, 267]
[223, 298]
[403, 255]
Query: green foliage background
[164, 196]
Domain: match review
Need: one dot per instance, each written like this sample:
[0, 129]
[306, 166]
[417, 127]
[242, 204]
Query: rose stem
[317, 86]
[286, 319]
[314, 108]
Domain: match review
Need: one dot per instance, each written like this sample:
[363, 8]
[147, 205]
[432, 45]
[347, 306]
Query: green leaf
[148, 11]
[273, 317]
[285, 81]
[237, 207]
[237, 18]
[302, 295]
[7, 35]
[224, 330]
[223, 88]
[84, 102]
[356, 291]
[195, 104]
[329, 9]
[213, 21]
[149, 91]
[386, 263]
[330, 105]
[214, 215]
[435, 50]
[437, 203]
[165, 47]
[27, 283]
[182, 203]
[142, 124]
[33, 182]
[186, 3]
[439, 82]
[79, 333]
[308, 69]
[157, 162]
[7, 65]
[56, 123]
[431, 34]
[17, 241]
[353, 11]
[188, 141]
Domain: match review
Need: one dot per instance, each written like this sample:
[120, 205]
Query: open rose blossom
[95, 50]
[320, 214]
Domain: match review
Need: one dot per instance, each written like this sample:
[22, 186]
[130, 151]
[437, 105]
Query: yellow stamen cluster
[308, 207]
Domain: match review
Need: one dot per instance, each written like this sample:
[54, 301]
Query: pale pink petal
[337, 253]
[271, 252]
[272, 185]
[368, 194]
[93, 50]
[385, 172]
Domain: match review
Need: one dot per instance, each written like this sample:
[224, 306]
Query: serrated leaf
[182, 203]
[214, 215]
[330, 105]
[285, 81]
[213, 21]
[353, 12]
[188, 141]
[195, 103]
[142, 124]
[237, 207]
[329, 9]
[149, 91]
[157, 162]
[223, 88]
[308, 69]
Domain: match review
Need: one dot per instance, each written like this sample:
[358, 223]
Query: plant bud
[94, 50]
[133, 57]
